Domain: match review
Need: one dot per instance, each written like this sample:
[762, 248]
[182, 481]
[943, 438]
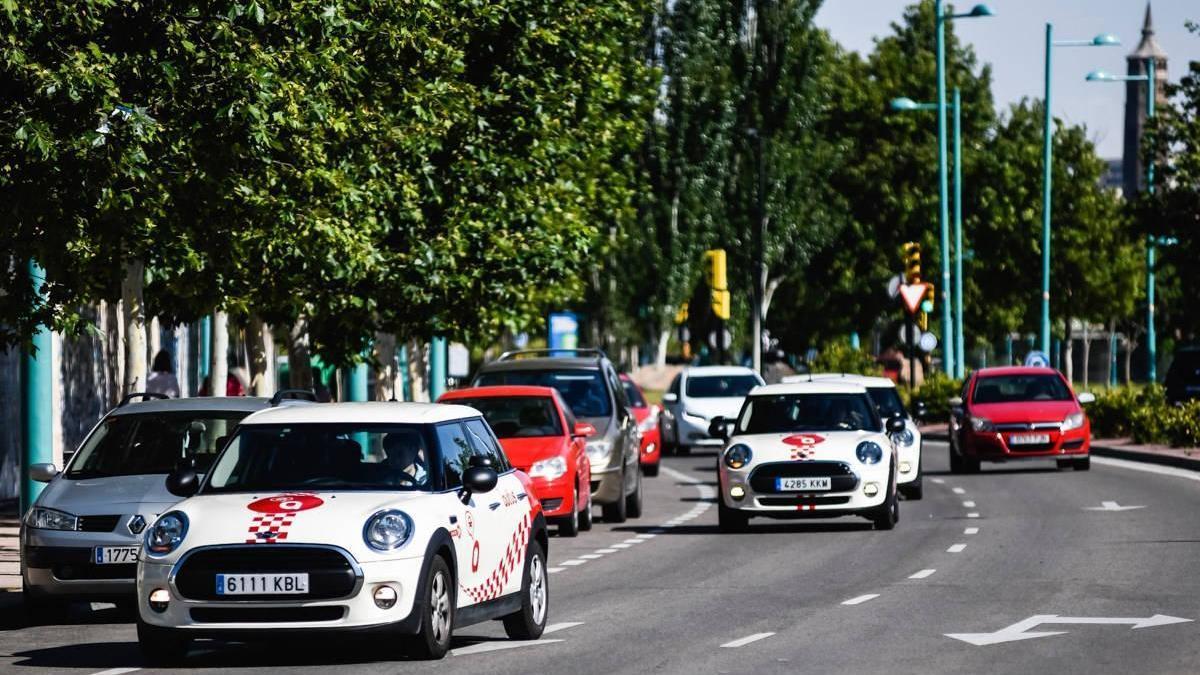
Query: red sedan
[647, 419]
[540, 437]
[1019, 413]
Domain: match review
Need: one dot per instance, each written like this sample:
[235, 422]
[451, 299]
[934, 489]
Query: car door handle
[494, 505]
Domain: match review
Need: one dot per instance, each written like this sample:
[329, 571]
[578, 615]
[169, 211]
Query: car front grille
[842, 478]
[97, 523]
[266, 614]
[331, 574]
[803, 501]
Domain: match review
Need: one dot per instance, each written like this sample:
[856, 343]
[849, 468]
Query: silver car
[80, 539]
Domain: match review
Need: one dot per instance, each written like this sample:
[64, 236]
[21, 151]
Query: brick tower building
[1133, 173]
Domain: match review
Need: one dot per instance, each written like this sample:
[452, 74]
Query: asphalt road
[668, 593]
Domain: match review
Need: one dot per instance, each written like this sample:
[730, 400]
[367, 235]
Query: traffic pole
[960, 346]
[1151, 69]
[37, 373]
[1047, 177]
[948, 342]
[437, 368]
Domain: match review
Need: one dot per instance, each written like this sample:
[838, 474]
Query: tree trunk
[418, 361]
[1069, 353]
[300, 375]
[660, 353]
[1112, 352]
[218, 368]
[153, 339]
[135, 327]
[261, 344]
[1130, 346]
[1087, 351]
[387, 376]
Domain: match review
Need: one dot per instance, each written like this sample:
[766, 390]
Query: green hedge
[935, 393]
[1142, 414]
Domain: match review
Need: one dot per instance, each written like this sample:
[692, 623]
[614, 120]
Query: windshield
[583, 390]
[517, 416]
[1017, 388]
[887, 400]
[151, 443]
[324, 456]
[786, 413]
[636, 400]
[720, 386]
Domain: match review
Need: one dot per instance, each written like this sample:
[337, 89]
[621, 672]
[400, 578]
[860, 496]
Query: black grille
[1073, 445]
[798, 501]
[551, 504]
[330, 574]
[842, 479]
[266, 614]
[97, 523]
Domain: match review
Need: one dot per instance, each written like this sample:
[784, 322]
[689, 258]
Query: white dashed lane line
[573, 563]
[923, 574]
[591, 556]
[117, 671]
[957, 548]
[742, 642]
[969, 505]
[958, 491]
[939, 481]
[860, 599]
[973, 514]
[554, 570]
[971, 530]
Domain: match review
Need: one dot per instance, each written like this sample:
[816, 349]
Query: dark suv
[590, 385]
[1183, 377]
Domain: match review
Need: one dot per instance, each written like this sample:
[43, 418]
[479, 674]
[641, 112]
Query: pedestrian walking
[162, 378]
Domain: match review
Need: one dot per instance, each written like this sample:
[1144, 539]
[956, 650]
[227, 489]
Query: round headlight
[869, 452]
[737, 456]
[388, 530]
[167, 533]
[906, 437]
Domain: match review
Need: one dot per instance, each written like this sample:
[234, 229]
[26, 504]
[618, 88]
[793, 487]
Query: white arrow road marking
[742, 642]
[1020, 630]
[1111, 506]
[861, 599]
[922, 574]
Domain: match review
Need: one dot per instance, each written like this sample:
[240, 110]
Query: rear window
[583, 390]
[129, 445]
[517, 416]
[720, 386]
[1018, 388]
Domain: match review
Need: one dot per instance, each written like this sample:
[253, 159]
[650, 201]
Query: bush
[840, 357]
[935, 393]
[1112, 415]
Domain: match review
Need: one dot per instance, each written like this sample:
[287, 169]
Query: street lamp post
[1102, 40]
[1152, 241]
[943, 191]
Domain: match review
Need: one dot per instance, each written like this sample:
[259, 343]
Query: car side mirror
[183, 482]
[583, 430]
[43, 473]
[895, 425]
[719, 428]
[1086, 398]
[670, 398]
[479, 479]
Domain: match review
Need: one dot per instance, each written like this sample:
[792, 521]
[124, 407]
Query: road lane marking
[622, 545]
[572, 563]
[647, 535]
[499, 645]
[1021, 629]
[971, 530]
[117, 671]
[861, 599]
[1147, 468]
[742, 642]
[957, 548]
[555, 570]
[635, 541]
[959, 491]
[606, 550]
[591, 556]
[1111, 506]
[923, 574]
[555, 627]
[972, 515]
[939, 481]
[969, 505]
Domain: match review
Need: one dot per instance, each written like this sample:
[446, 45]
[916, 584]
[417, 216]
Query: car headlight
[598, 451]
[1073, 421]
[869, 452]
[737, 456]
[906, 437]
[167, 533]
[50, 519]
[648, 424]
[388, 530]
[549, 468]
[982, 424]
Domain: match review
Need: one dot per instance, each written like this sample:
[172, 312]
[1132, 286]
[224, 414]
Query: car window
[151, 443]
[887, 400]
[485, 444]
[720, 386]
[784, 413]
[456, 452]
[324, 456]
[517, 416]
[584, 390]
[568, 414]
[636, 400]
[1017, 388]
[674, 388]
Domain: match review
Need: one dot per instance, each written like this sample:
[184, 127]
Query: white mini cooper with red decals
[813, 449]
[401, 518]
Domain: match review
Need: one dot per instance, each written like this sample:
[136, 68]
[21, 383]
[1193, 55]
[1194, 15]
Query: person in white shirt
[162, 379]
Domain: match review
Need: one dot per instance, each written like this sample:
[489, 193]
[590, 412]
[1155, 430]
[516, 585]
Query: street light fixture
[1101, 40]
[978, 11]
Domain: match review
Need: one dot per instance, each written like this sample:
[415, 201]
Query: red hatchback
[647, 420]
[1019, 413]
[541, 437]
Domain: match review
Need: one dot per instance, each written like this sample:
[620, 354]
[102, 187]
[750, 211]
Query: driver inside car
[405, 454]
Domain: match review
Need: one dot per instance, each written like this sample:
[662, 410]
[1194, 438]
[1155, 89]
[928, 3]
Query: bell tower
[1133, 173]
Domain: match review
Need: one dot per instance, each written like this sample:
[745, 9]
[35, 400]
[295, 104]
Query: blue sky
[1013, 42]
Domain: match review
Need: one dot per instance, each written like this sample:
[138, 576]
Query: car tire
[432, 640]
[585, 516]
[650, 470]
[913, 491]
[1082, 464]
[956, 462]
[530, 621]
[971, 465]
[615, 512]
[888, 514]
[633, 503]
[569, 525]
[161, 646]
[731, 521]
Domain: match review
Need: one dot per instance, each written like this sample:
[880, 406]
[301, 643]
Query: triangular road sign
[912, 294]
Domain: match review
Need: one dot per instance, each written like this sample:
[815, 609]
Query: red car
[647, 419]
[1019, 413]
[541, 437]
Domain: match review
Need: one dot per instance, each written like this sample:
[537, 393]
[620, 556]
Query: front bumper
[909, 469]
[997, 446]
[248, 618]
[848, 496]
[557, 496]
[651, 451]
[59, 564]
[692, 430]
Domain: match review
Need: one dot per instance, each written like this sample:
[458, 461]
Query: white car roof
[702, 371]
[371, 412]
[864, 380]
[806, 387]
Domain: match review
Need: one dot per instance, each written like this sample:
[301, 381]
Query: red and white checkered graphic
[513, 559]
[800, 454]
[268, 528]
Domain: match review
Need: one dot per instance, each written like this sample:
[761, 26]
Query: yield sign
[913, 294]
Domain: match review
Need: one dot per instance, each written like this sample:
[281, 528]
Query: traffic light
[912, 262]
[718, 283]
[930, 294]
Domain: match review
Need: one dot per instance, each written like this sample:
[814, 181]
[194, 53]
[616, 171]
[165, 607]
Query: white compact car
[401, 518]
[908, 442]
[696, 397]
[810, 449]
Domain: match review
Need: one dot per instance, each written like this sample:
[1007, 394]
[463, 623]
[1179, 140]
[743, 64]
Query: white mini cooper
[401, 518]
[804, 450]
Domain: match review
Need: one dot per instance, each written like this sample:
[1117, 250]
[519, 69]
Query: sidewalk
[10, 555]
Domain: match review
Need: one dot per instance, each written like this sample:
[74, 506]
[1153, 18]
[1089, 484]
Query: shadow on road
[14, 616]
[92, 655]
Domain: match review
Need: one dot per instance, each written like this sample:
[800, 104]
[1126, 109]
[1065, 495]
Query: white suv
[697, 396]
